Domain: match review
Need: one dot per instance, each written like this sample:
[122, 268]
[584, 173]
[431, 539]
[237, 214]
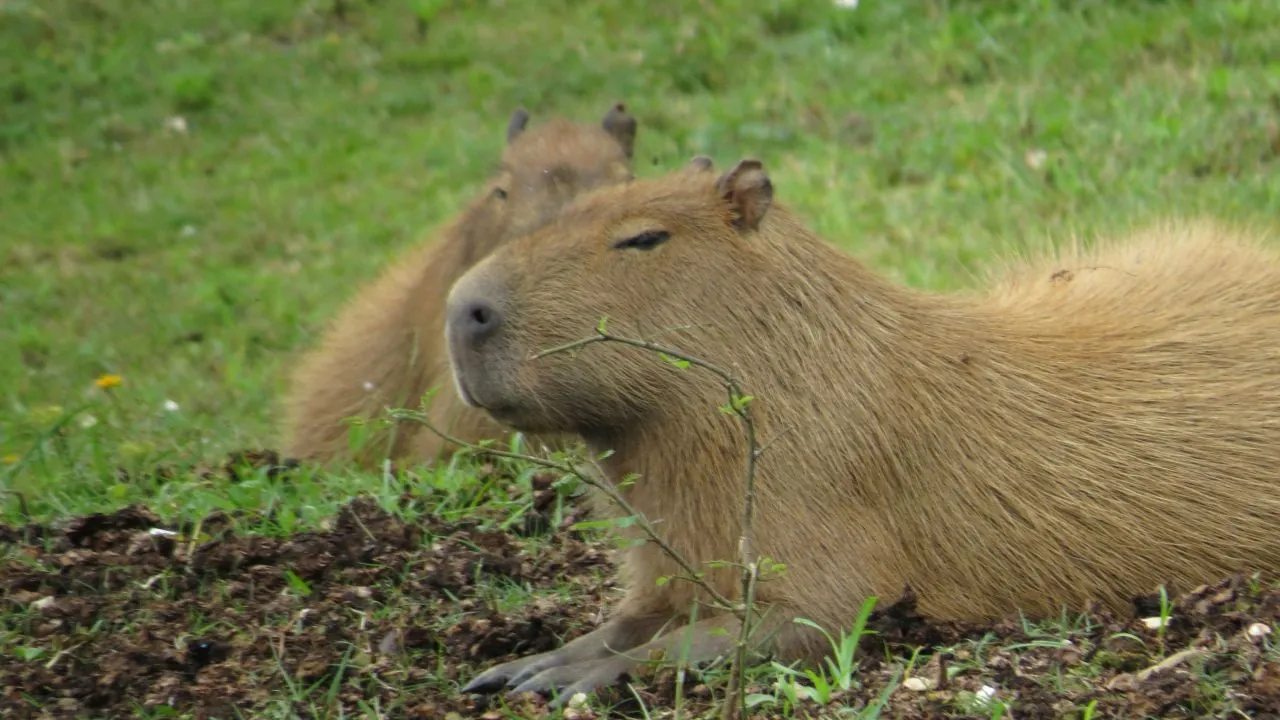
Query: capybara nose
[475, 320]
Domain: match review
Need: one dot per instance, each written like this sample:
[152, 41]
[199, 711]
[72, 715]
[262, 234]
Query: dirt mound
[112, 613]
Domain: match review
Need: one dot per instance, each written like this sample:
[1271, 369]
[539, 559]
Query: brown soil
[376, 615]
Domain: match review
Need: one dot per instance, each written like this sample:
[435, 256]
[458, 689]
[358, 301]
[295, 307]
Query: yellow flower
[108, 381]
[9, 459]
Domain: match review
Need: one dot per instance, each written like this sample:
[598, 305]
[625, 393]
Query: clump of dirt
[117, 611]
[109, 613]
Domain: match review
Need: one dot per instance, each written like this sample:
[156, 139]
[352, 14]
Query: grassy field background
[189, 190]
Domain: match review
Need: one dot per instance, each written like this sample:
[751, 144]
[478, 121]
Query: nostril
[479, 318]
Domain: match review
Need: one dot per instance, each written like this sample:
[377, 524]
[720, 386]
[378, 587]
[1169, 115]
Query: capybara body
[385, 348]
[1088, 427]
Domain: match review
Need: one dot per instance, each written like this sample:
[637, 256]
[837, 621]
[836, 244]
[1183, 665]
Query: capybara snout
[475, 321]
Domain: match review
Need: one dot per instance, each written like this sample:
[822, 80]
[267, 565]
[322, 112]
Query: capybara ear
[519, 119]
[621, 126]
[748, 191]
[701, 163]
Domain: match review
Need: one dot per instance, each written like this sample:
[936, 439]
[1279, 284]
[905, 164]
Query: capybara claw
[511, 674]
[565, 681]
[486, 682]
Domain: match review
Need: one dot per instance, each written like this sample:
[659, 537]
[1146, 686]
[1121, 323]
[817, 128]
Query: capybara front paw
[512, 673]
[565, 681]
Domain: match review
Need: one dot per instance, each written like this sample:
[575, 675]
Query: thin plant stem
[739, 406]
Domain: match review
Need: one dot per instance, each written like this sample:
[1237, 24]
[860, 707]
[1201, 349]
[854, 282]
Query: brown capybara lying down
[386, 346]
[1088, 428]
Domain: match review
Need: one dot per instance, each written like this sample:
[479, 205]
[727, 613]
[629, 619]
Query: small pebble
[1155, 623]
[390, 643]
[915, 684]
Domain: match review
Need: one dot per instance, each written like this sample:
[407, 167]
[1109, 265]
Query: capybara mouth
[471, 398]
[466, 396]
[502, 412]
[464, 393]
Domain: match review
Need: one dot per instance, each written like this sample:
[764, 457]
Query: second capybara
[386, 346]
[1092, 426]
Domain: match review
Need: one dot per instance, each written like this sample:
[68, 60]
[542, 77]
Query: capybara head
[653, 255]
[543, 168]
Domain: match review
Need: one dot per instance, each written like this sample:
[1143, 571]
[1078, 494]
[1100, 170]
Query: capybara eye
[500, 193]
[644, 241]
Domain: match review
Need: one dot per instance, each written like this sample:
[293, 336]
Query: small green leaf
[678, 362]
[287, 519]
[28, 653]
[591, 524]
[296, 583]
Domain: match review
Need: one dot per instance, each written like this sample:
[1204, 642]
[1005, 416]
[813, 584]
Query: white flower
[171, 406]
[88, 421]
[851, 4]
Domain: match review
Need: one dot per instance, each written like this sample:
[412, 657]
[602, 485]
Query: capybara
[386, 346]
[1098, 424]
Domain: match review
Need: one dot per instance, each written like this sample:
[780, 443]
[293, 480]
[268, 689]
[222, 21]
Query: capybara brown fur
[386, 346]
[1095, 425]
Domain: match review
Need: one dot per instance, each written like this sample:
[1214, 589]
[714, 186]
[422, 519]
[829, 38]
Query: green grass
[189, 190]
[197, 265]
